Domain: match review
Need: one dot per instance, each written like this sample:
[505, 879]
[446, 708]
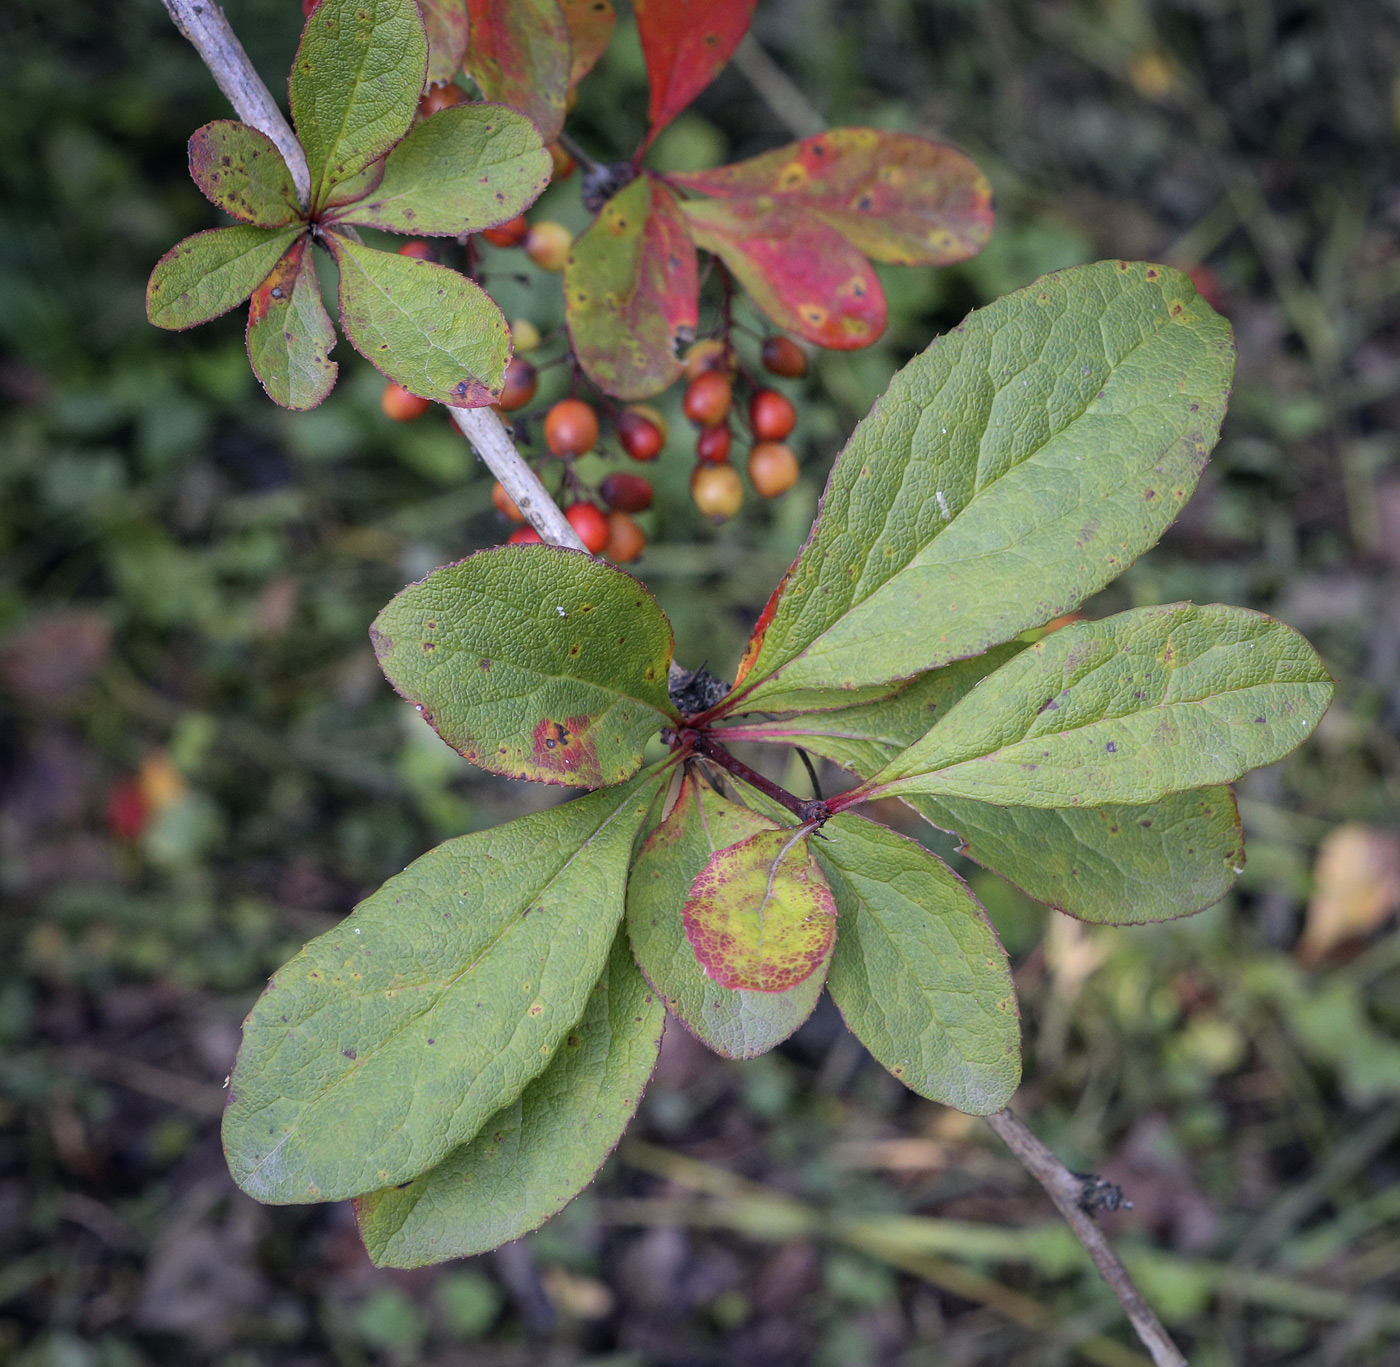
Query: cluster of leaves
[461, 1054]
[797, 226]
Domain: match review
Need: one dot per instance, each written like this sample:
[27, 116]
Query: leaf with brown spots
[241, 171]
[290, 335]
[533, 662]
[631, 292]
[519, 54]
[446, 24]
[686, 44]
[894, 196]
[760, 916]
[800, 271]
[591, 24]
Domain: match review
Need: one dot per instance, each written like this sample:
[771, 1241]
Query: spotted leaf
[290, 334]
[519, 54]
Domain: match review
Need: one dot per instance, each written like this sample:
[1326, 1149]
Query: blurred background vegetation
[200, 766]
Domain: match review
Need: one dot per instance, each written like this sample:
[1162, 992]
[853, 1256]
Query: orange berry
[571, 428]
[505, 504]
[524, 536]
[771, 415]
[509, 234]
[417, 249]
[709, 353]
[588, 521]
[563, 162]
[717, 491]
[626, 540]
[772, 468]
[626, 493]
[400, 405]
[712, 445]
[522, 379]
[707, 398]
[640, 437]
[442, 96]
[782, 356]
[547, 244]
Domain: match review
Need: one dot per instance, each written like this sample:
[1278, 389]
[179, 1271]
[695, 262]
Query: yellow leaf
[1356, 887]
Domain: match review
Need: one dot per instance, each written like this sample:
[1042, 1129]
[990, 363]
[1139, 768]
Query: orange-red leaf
[446, 23]
[800, 271]
[686, 43]
[631, 291]
[897, 197]
[590, 30]
[760, 916]
[518, 54]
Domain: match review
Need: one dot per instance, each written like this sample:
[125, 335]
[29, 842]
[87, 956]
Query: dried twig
[1068, 1192]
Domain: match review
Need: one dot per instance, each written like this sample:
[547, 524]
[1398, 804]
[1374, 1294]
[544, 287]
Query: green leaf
[519, 54]
[1114, 865]
[290, 334]
[534, 1156]
[433, 331]
[355, 85]
[760, 916]
[735, 1023]
[534, 662]
[390, 1040]
[468, 167]
[446, 24]
[1124, 710]
[918, 973]
[1018, 465]
[800, 271]
[894, 196]
[241, 171]
[632, 292]
[212, 272]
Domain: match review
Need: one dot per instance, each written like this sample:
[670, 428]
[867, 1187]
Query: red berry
[442, 96]
[771, 415]
[571, 428]
[524, 536]
[772, 468]
[505, 504]
[717, 490]
[712, 445]
[641, 438]
[127, 809]
[707, 398]
[588, 521]
[509, 234]
[626, 493]
[522, 380]
[782, 356]
[626, 540]
[400, 405]
[417, 249]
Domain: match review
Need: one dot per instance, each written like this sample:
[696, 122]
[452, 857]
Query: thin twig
[204, 24]
[777, 89]
[1067, 1192]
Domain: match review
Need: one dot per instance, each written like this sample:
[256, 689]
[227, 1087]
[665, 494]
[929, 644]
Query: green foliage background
[187, 571]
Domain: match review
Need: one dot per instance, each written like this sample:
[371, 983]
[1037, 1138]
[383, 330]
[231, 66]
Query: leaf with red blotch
[800, 271]
[896, 197]
[446, 23]
[686, 43]
[590, 30]
[631, 291]
[760, 915]
[518, 54]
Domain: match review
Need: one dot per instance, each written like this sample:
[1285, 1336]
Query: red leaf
[801, 272]
[897, 197]
[686, 43]
[590, 30]
[446, 23]
[519, 55]
[631, 290]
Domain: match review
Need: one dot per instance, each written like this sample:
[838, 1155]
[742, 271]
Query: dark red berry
[640, 437]
[771, 415]
[712, 445]
[782, 356]
[626, 493]
[707, 398]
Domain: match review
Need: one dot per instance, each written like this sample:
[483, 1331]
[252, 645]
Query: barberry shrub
[461, 1054]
